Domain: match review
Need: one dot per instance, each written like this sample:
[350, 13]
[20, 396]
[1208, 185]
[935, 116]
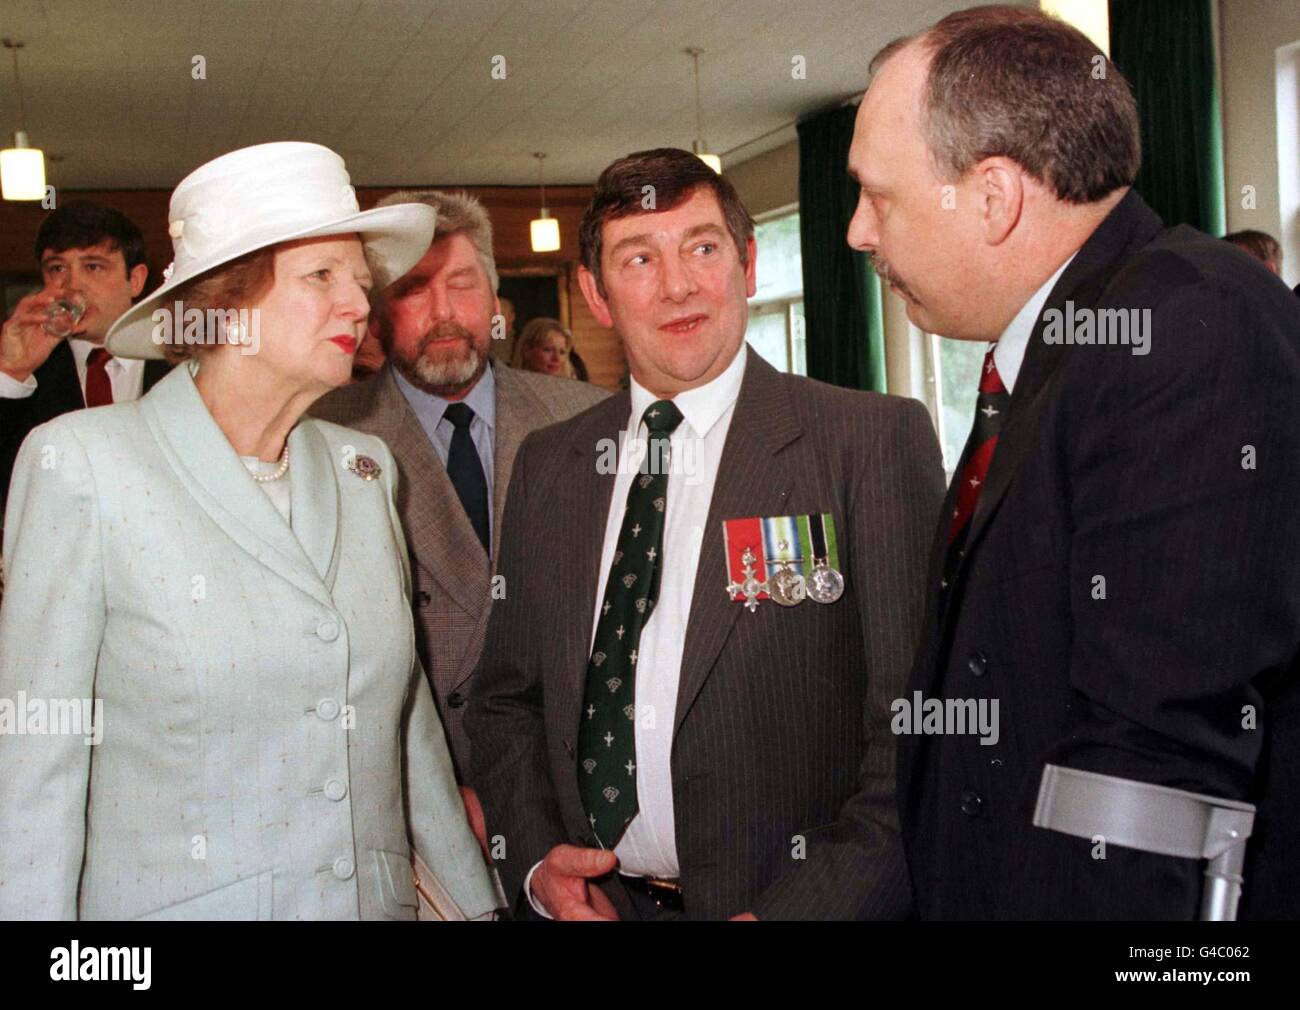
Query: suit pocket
[396, 882]
[247, 899]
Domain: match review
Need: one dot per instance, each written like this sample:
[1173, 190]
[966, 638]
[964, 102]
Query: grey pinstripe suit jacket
[452, 576]
[782, 720]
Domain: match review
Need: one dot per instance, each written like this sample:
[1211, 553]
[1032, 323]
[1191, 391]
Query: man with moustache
[655, 735]
[95, 252]
[1115, 564]
[454, 420]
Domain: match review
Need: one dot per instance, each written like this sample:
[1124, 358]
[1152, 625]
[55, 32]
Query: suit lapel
[583, 497]
[750, 473]
[314, 498]
[1130, 225]
[516, 403]
[438, 532]
[209, 467]
[59, 376]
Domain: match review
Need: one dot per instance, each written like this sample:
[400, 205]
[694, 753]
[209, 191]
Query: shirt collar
[429, 407]
[701, 407]
[1009, 351]
[81, 353]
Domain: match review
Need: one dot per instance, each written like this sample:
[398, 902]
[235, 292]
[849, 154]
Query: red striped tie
[991, 408]
[99, 387]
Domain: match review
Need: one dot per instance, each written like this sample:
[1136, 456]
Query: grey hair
[457, 213]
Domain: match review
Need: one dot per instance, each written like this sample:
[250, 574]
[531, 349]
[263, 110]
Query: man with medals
[650, 738]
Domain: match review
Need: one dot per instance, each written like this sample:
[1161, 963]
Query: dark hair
[82, 223]
[1260, 244]
[666, 177]
[1016, 83]
[579, 366]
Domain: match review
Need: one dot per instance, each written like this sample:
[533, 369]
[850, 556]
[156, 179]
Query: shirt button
[972, 803]
[977, 663]
[335, 790]
[344, 868]
[327, 630]
[327, 709]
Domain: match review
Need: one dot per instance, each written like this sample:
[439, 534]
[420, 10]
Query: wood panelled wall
[511, 208]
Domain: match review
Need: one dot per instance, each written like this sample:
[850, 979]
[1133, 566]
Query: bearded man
[454, 419]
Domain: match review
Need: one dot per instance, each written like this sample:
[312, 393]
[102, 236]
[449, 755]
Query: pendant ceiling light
[545, 230]
[22, 167]
[699, 147]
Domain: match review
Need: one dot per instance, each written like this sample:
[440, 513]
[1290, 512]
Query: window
[957, 373]
[776, 325]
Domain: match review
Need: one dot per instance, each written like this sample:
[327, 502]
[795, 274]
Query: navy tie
[466, 471]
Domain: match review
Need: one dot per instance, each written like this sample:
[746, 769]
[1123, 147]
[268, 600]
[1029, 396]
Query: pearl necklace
[280, 471]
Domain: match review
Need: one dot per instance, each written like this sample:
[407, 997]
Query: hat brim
[398, 235]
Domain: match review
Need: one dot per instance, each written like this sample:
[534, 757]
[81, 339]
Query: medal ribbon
[737, 534]
[778, 529]
[821, 535]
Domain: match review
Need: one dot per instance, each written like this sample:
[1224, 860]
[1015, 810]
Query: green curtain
[1166, 50]
[841, 293]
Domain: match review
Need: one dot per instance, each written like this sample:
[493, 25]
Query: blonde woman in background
[544, 346]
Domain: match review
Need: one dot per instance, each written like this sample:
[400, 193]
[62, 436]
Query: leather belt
[666, 894]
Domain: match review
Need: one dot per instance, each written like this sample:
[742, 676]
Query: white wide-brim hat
[260, 196]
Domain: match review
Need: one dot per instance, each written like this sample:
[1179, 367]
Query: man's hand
[745, 917]
[560, 884]
[24, 344]
[474, 814]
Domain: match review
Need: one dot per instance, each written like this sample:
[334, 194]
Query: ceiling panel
[404, 88]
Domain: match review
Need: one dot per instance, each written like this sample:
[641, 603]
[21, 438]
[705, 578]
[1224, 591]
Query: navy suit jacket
[1129, 593]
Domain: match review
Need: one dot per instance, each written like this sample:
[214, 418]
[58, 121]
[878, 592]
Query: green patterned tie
[607, 738]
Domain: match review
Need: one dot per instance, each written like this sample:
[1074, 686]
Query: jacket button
[344, 868]
[972, 803]
[327, 630]
[977, 663]
[327, 709]
[422, 599]
[455, 699]
[335, 790]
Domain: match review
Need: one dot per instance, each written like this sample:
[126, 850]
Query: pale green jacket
[270, 745]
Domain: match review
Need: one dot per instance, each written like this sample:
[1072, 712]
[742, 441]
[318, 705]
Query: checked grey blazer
[782, 720]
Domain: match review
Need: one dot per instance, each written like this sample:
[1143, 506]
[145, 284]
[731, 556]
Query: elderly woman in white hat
[208, 608]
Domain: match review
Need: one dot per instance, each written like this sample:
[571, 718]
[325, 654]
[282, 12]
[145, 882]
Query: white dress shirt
[126, 375]
[649, 846]
[1009, 351]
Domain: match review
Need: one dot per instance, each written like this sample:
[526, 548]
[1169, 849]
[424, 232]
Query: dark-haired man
[1115, 570]
[1259, 244]
[97, 253]
[713, 589]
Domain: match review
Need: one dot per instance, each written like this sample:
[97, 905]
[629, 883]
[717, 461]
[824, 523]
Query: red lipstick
[348, 344]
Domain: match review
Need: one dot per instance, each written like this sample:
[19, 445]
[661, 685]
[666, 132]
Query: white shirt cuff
[528, 892]
[12, 389]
